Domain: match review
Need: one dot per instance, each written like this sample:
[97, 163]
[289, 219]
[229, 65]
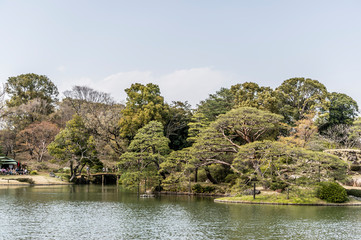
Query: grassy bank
[305, 197]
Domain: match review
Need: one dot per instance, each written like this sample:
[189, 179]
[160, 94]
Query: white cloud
[61, 68]
[192, 85]
[116, 83]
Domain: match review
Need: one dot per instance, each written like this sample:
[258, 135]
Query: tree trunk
[196, 175]
[209, 176]
[162, 174]
[71, 169]
[73, 172]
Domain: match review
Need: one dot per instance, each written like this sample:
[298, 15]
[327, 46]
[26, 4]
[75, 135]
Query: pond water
[93, 212]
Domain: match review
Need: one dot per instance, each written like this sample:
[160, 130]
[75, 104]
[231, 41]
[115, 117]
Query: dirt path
[38, 179]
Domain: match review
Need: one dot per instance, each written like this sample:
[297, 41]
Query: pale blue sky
[190, 48]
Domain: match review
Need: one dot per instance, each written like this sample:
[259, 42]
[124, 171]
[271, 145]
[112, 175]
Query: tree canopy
[250, 94]
[144, 104]
[219, 103]
[247, 124]
[269, 159]
[301, 96]
[342, 110]
[25, 87]
[145, 153]
[76, 145]
[237, 134]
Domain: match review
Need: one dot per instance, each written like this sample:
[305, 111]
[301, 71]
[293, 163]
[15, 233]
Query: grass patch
[64, 177]
[297, 196]
[28, 180]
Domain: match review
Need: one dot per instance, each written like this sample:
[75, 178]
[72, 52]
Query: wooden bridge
[103, 176]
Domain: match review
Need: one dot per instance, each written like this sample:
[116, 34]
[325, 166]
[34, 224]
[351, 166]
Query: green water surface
[93, 212]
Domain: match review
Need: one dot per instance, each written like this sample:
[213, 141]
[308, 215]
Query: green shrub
[28, 180]
[65, 177]
[219, 172]
[355, 167]
[265, 184]
[331, 192]
[278, 185]
[98, 167]
[157, 189]
[34, 172]
[202, 176]
[42, 166]
[209, 189]
[231, 178]
[197, 188]
[303, 181]
[53, 161]
[354, 192]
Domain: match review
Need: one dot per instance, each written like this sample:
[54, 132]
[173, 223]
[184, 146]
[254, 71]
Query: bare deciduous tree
[100, 113]
[341, 136]
[36, 138]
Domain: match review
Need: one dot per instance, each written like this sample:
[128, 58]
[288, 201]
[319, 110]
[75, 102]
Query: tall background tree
[299, 97]
[342, 110]
[176, 126]
[219, 103]
[30, 99]
[250, 94]
[101, 115]
[36, 137]
[25, 87]
[144, 104]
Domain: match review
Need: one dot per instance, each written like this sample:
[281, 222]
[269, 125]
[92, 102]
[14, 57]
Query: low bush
[278, 185]
[209, 189]
[231, 178]
[354, 192]
[355, 168]
[266, 184]
[331, 192]
[303, 181]
[64, 170]
[202, 176]
[42, 166]
[197, 188]
[28, 180]
[64, 177]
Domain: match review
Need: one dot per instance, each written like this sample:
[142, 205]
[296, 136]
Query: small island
[304, 198]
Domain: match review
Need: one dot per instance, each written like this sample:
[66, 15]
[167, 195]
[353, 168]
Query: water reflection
[93, 212]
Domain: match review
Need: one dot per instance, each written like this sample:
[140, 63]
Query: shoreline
[354, 204]
[194, 194]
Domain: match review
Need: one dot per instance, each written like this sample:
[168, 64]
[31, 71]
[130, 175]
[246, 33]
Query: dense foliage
[76, 145]
[331, 192]
[238, 135]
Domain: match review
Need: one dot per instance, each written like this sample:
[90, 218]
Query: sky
[189, 48]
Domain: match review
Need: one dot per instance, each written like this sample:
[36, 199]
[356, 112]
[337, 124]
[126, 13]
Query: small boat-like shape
[146, 195]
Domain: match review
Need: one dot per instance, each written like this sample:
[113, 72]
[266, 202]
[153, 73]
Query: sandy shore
[38, 180]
